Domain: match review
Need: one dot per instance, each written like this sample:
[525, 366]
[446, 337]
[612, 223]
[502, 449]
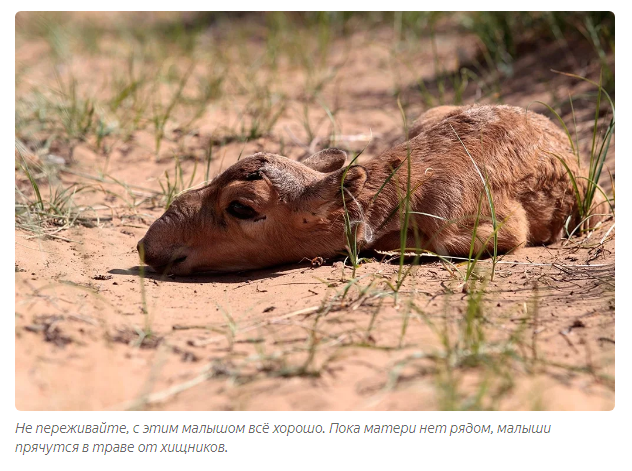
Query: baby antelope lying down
[268, 210]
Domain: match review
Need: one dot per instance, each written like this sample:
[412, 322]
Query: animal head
[265, 210]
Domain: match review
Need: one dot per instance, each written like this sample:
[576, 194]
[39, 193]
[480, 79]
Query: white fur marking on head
[288, 185]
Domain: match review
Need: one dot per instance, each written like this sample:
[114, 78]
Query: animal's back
[518, 155]
[521, 155]
[506, 142]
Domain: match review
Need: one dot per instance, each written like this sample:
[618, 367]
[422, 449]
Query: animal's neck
[385, 192]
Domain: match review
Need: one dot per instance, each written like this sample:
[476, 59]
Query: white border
[579, 440]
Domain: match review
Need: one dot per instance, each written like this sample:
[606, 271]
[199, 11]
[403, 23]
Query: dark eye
[253, 176]
[241, 211]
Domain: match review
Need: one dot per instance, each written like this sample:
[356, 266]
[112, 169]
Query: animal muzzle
[158, 258]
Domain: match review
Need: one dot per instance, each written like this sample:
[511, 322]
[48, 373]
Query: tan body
[268, 210]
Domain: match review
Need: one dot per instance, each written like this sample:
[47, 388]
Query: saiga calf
[268, 210]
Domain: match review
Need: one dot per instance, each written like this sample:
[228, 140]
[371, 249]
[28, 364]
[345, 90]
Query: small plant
[171, 189]
[147, 332]
[405, 219]
[162, 114]
[587, 188]
[350, 228]
[46, 213]
[77, 115]
[351, 225]
[492, 210]
[259, 116]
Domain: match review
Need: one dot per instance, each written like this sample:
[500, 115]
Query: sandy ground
[302, 337]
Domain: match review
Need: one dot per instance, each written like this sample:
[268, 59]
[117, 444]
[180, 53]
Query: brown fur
[299, 207]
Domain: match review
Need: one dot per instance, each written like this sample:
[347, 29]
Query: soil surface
[95, 331]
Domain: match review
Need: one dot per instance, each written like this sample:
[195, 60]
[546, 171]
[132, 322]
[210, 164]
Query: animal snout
[160, 257]
[142, 252]
[152, 255]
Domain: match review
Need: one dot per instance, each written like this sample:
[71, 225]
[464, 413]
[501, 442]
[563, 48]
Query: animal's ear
[328, 190]
[354, 178]
[326, 161]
